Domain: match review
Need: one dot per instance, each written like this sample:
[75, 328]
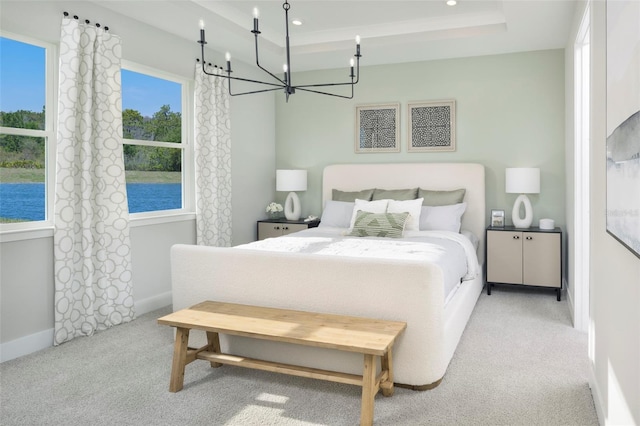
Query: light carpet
[519, 362]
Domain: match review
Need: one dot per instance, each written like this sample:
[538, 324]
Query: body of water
[25, 201]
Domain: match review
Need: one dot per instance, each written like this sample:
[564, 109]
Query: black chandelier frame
[282, 83]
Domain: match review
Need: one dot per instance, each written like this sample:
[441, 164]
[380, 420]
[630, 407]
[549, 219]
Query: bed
[393, 288]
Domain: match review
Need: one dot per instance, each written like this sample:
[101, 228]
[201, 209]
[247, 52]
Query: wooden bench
[370, 337]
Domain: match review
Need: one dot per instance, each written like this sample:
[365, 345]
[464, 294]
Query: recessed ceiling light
[296, 22]
[451, 2]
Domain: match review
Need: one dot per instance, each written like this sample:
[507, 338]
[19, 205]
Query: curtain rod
[86, 21]
[209, 63]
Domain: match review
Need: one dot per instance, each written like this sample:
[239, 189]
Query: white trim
[188, 155]
[152, 303]
[596, 395]
[49, 133]
[45, 230]
[581, 234]
[160, 217]
[26, 345]
[26, 234]
[44, 339]
[186, 111]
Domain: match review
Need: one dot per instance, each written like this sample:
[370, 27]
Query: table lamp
[522, 180]
[291, 180]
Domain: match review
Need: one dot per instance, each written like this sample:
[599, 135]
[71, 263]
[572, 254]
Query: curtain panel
[212, 160]
[92, 249]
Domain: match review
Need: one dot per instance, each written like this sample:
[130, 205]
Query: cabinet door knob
[276, 227]
[529, 238]
[516, 237]
[285, 228]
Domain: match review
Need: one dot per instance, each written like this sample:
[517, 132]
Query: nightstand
[531, 257]
[269, 228]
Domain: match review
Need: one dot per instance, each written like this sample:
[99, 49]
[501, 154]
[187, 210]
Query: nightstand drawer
[278, 228]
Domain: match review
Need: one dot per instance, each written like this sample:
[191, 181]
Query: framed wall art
[432, 126]
[377, 128]
[623, 123]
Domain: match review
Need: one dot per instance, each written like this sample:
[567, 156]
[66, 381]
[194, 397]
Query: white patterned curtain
[92, 251]
[212, 160]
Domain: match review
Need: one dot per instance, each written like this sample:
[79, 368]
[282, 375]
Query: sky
[22, 83]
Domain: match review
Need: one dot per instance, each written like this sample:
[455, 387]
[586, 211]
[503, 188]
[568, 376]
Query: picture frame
[432, 126]
[623, 124]
[377, 128]
[497, 218]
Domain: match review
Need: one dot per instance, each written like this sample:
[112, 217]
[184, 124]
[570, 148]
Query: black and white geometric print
[431, 126]
[378, 128]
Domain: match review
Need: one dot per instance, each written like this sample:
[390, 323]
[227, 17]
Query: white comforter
[452, 252]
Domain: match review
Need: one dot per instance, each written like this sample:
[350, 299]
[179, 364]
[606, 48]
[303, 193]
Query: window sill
[37, 230]
[28, 232]
[157, 218]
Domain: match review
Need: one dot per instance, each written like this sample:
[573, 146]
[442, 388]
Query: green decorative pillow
[390, 225]
[441, 198]
[350, 197]
[395, 194]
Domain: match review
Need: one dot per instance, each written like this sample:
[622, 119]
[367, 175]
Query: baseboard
[44, 339]
[26, 345]
[152, 303]
[596, 395]
[569, 298]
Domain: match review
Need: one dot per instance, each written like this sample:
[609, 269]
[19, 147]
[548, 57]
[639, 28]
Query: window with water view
[152, 128]
[23, 131]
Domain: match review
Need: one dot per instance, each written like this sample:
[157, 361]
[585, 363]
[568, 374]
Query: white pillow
[413, 207]
[378, 206]
[442, 218]
[337, 214]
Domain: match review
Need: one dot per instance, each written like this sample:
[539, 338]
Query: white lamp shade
[522, 180]
[291, 180]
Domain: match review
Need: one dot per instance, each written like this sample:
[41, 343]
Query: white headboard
[434, 176]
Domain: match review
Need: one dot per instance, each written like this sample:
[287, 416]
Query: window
[154, 140]
[26, 131]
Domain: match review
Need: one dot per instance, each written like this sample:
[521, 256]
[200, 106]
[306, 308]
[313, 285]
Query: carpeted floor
[519, 363]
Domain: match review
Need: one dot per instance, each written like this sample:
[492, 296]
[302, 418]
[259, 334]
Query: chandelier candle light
[285, 82]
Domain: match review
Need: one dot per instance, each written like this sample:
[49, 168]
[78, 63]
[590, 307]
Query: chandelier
[278, 83]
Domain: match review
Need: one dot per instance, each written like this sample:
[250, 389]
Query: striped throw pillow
[389, 225]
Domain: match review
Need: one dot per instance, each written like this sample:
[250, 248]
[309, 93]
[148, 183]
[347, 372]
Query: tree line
[164, 125]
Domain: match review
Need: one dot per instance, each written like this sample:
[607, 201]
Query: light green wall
[510, 113]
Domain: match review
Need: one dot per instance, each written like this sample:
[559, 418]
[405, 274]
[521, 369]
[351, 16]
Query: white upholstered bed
[394, 289]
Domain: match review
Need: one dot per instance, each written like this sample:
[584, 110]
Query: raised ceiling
[391, 31]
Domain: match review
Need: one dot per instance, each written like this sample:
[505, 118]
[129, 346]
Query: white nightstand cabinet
[530, 257]
[271, 228]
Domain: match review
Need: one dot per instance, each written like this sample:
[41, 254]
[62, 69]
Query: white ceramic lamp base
[292, 207]
[518, 221]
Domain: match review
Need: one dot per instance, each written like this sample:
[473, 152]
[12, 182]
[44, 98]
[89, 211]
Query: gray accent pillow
[442, 218]
[351, 196]
[441, 198]
[395, 194]
[337, 214]
[389, 225]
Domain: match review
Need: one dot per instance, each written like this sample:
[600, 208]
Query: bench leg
[179, 359]
[387, 365]
[214, 346]
[368, 390]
